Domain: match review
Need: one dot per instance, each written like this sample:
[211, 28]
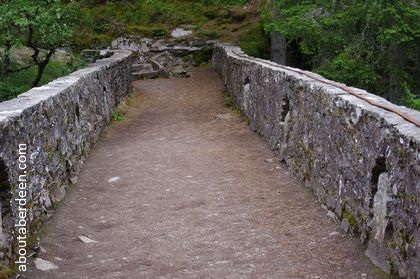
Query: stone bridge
[327, 187]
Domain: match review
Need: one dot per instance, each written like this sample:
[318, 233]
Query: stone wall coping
[404, 127]
[36, 95]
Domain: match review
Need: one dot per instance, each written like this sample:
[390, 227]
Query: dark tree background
[372, 44]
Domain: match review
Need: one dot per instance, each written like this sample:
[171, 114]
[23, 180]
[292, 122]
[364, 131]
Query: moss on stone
[379, 273]
[49, 150]
[352, 220]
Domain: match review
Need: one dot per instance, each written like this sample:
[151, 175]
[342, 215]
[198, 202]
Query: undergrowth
[210, 19]
[19, 82]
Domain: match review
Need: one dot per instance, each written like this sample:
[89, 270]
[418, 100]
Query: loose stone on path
[44, 265]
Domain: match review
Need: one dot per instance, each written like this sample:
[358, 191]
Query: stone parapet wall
[59, 124]
[362, 162]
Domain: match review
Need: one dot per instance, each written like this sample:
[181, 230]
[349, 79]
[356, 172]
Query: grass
[118, 116]
[152, 18]
[119, 113]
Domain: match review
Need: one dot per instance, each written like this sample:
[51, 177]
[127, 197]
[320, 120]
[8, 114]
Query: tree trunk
[41, 67]
[278, 41]
[395, 90]
[278, 48]
[5, 62]
[41, 64]
[5, 66]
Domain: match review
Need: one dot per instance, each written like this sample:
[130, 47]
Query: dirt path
[196, 198]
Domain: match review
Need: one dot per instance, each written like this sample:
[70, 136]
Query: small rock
[44, 265]
[86, 239]
[148, 67]
[269, 160]
[378, 255]
[333, 233]
[345, 225]
[332, 216]
[180, 71]
[179, 32]
[74, 180]
[224, 116]
[58, 194]
[30, 255]
[114, 179]
[91, 55]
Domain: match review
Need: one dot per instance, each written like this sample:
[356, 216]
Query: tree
[370, 44]
[42, 25]
[50, 26]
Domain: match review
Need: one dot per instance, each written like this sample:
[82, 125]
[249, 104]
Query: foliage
[210, 34]
[255, 42]
[39, 25]
[202, 56]
[49, 26]
[370, 44]
[11, 24]
[411, 100]
[224, 2]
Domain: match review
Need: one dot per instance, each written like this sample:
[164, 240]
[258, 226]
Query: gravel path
[183, 189]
